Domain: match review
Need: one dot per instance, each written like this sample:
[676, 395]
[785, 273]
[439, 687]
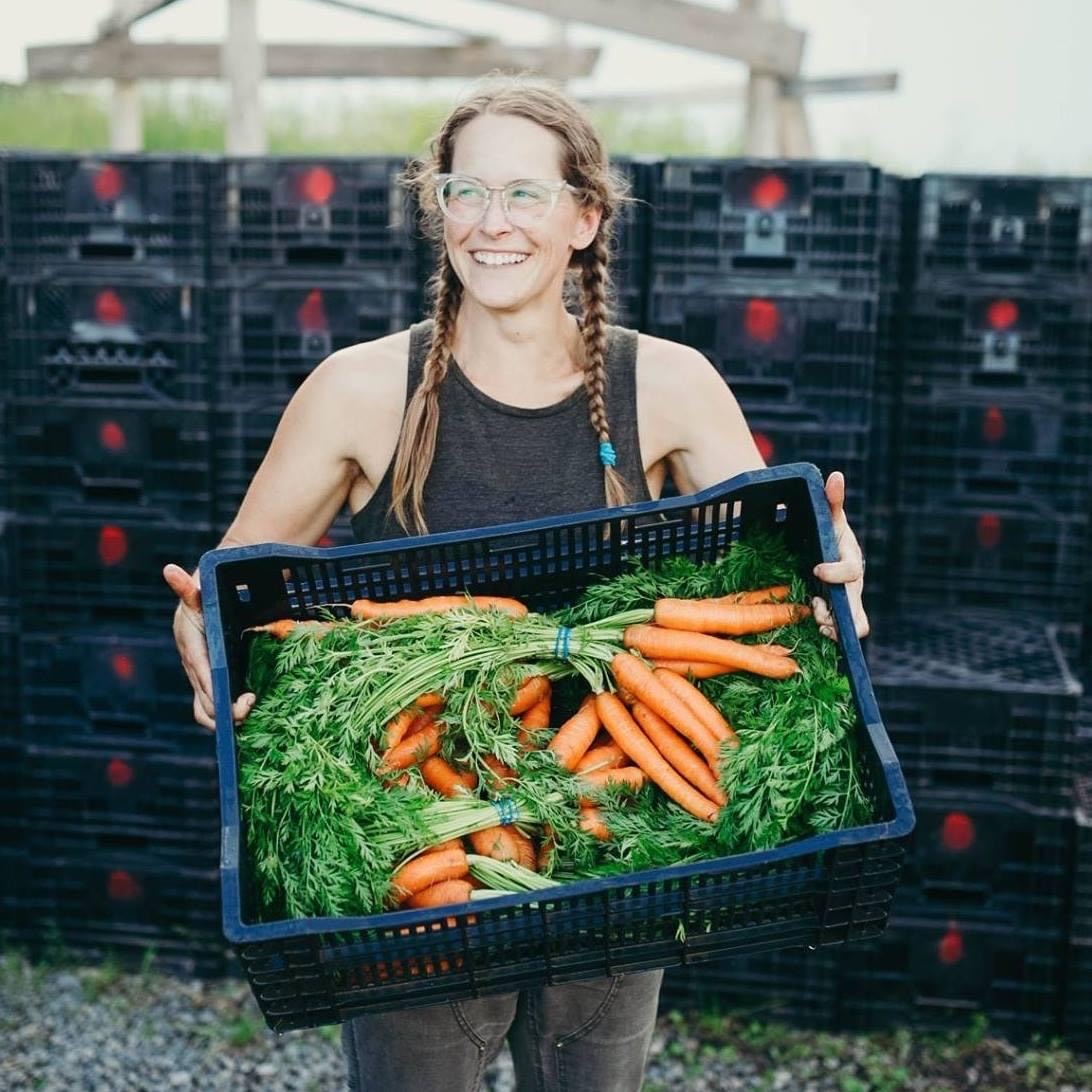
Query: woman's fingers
[243, 704]
[184, 586]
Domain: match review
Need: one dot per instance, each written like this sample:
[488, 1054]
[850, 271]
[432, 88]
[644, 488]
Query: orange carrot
[431, 700]
[441, 894]
[607, 757]
[531, 692]
[533, 722]
[451, 843]
[628, 735]
[591, 821]
[759, 595]
[630, 671]
[428, 869]
[632, 777]
[574, 737]
[671, 644]
[403, 608]
[696, 667]
[734, 619]
[440, 775]
[284, 626]
[414, 748]
[397, 728]
[699, 704]
[677, 751]
[525, 849]
[500, 843]
[502, 774]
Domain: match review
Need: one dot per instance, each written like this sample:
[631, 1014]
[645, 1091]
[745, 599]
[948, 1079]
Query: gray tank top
[497, 463]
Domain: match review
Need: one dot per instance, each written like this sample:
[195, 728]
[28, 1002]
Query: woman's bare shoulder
[673, 378]
[377, 368]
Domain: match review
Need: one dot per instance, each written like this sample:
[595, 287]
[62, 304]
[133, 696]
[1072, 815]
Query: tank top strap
[419, 343]
[621, 400]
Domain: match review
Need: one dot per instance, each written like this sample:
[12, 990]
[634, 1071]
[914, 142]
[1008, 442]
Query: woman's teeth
[491, 258]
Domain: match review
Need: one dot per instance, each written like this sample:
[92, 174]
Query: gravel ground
[82, 1029]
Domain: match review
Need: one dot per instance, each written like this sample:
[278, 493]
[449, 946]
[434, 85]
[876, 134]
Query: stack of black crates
[111, 832]
[978, 668]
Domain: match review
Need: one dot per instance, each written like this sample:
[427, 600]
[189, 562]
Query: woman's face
[526, 261]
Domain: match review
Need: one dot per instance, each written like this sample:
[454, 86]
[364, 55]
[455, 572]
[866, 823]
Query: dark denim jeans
[588, 1036]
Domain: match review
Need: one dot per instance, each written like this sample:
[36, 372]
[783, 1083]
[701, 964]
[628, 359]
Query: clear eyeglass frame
[516, 213]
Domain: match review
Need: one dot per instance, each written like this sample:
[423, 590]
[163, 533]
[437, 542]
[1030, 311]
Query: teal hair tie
[607, 455]
[507, 813]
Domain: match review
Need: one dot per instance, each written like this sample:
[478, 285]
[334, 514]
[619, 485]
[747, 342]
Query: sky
[985, 85]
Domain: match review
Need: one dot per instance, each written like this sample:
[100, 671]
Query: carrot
[630, 671]
[607, 757]
[779, 650]
[440, 775]
[284, 626]
[431, 700]
[700, 705]
[403, 608]
[397, 728]
[451, 843]
[525, 849]
[628, 735]
[735, 619]
[532, 723]
[759, 595]
[502, 774]
[441, 894]
[531, 692]
[591, 821]
[574, 737]
[500, 843]
[695, 667]
[677, 751]
[428, 869]
[414, 748]
[632, 777]
[671, 644]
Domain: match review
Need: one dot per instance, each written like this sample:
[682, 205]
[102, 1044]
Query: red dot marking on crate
[761, 320]
[121, 663]
[950, 948]
[108, 183]
[317, 185]
[993, 425]
[957, 832]
[769, 191]
[113, 545]
[312, 312]
[112, 437]
[1001, 314]
[123, 886]
[764, 444]
[119, 773]
[325, 541]
[988, 531]
[109, 308]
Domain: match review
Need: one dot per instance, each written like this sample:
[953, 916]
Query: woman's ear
[587, 225]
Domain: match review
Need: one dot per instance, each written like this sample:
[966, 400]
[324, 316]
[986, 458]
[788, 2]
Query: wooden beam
[120, 59]
[736, 92]
[128, 12]
[243, 59]
[761, 134]
[763, 44]
[843, 85]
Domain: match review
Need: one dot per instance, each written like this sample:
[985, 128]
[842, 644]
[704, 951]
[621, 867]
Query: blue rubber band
[507, 813]
[607, 454]
[561, 643]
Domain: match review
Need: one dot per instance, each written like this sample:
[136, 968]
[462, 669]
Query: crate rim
[238, 932]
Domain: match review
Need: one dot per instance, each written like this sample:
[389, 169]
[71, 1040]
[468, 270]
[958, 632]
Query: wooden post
[760, 129]
[244, 67]
[795, 132]
[126, 117]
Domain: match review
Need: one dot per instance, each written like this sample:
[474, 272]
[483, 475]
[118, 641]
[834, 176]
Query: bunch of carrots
[655, 729]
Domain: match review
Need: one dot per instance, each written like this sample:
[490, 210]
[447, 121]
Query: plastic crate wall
[125, 211]
[979, 701]
[725, 217]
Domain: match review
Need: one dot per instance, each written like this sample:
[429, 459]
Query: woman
[503, 407]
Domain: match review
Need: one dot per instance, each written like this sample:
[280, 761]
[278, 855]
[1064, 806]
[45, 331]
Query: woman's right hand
[189, 635]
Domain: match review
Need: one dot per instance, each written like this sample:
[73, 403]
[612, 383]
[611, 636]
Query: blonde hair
[584, 164]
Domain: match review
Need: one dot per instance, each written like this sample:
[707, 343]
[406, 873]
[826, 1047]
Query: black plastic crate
[103, 567]
[155, 460]
[93, 801]
[990, 552]
[936, 973]
[1081, 926]
[823, 890]
[95, 335]
[9, 678]
[717, 217]
[1077, 1008]
[12, 805]
[1003, 861]
[998, 339]
[795, 985]
[109, 686]
[957, 443]
[1004, 228]
[269, 335]
[978, 701]
[323, 212]
[632, 233]
[780, 346]
[130, 211]
[7, 565]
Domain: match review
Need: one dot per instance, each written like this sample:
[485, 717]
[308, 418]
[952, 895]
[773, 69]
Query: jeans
[590, 1036]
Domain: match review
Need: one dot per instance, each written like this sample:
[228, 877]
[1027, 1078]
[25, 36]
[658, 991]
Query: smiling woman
[505, 405]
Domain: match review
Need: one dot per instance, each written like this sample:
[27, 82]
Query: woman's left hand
[848, 569]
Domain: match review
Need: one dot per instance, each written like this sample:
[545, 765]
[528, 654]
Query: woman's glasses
[465, 199]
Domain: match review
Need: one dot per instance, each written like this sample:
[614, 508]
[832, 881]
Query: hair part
[585, 165]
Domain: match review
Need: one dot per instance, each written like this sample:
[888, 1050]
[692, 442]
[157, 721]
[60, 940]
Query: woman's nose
[495, 219]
